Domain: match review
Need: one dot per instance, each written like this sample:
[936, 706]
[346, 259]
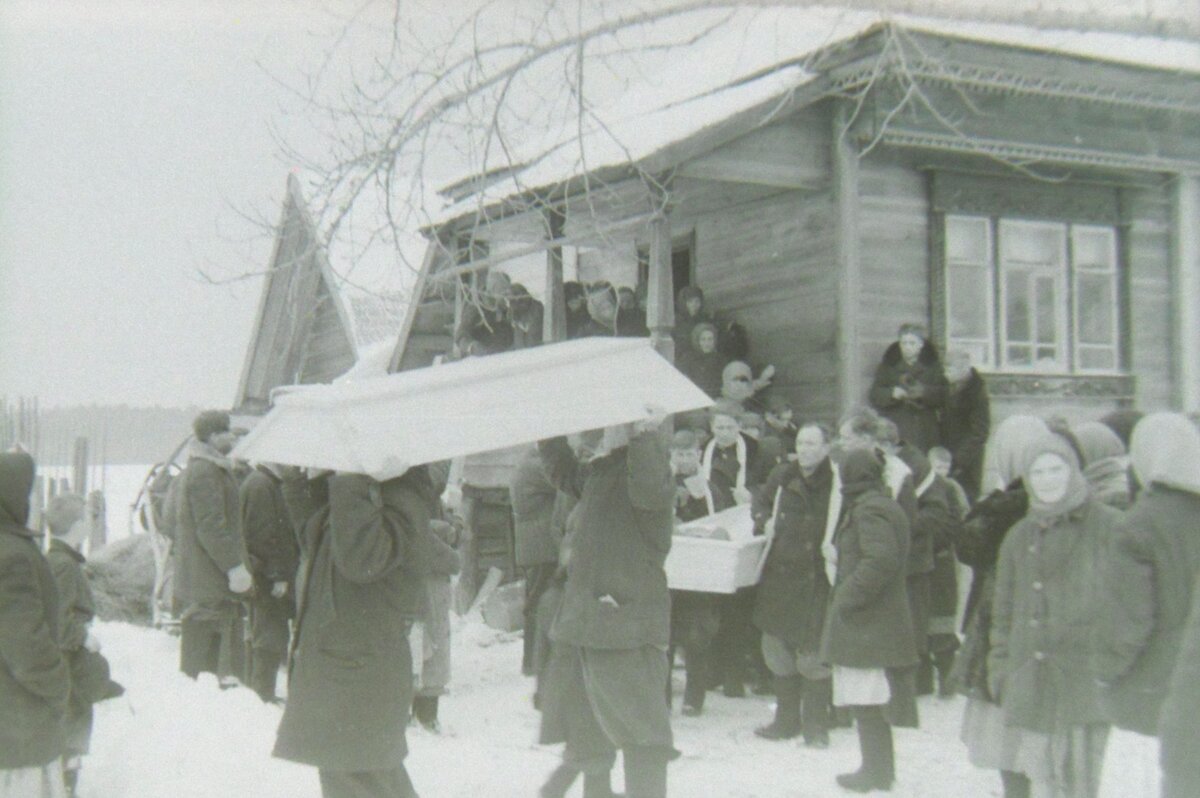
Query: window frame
[1066, 282]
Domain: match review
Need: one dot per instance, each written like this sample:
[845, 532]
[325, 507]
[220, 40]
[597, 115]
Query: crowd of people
[1076, 646]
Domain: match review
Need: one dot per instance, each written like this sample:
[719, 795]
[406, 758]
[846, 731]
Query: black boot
[425, 710]
[646, 772]
[786, 725]
[944, 662]
[816, 712]
[1016, 785]
[878, 759]
[559, 782]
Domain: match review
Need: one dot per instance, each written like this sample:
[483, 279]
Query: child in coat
[76, 608]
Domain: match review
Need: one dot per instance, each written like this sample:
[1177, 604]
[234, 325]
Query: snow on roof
[662, 82]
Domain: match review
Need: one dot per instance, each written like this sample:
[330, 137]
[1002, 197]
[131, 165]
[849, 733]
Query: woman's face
[910, 346]
[1049, 478]
[694, 303]
[707, 341]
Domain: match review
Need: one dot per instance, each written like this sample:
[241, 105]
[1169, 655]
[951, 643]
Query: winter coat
[76, 606]
[270, 540]
[917, 414]
[703, 369]
[1179, 721]
[484, 331]
[1044, 616]
[793, 594]
[34, 678]
[209, 534]
[1145, 598]
[533, 499]
[350, 677]
[943, 581]
[625, 519]
[725, 472]
[868, 623]
[966, 420]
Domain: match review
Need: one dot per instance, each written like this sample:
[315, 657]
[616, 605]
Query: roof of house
[667, 81]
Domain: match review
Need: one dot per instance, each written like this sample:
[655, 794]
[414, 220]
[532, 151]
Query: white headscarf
[1002, 463]
[1165, 448]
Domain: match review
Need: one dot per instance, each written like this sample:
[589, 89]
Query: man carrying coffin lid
[616, 608]
[350, 680]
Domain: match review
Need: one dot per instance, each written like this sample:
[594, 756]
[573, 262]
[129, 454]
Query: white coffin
[717, 566]
[473, 405]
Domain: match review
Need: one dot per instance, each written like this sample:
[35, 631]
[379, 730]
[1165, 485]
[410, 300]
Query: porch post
[846, 213]
[1185, 256]
[554, 321]
[660, 295]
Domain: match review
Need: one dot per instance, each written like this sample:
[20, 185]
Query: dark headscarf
[860, 470]
[16, 481]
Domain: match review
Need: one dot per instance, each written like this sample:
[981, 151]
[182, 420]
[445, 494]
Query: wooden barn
[302, 332]
[1031, 195]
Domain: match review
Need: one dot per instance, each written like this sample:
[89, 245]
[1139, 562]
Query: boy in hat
[76, 608]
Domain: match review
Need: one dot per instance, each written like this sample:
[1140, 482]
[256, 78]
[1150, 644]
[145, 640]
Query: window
[1032, 296]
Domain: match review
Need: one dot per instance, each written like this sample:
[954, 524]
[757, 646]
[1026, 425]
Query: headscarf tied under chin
[1166, 449]
[860, 470]
[1077, 490]
[1003, 463]
[16, 481]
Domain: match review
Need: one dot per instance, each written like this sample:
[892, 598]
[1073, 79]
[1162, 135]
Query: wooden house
[302, 332]
[1031, 195]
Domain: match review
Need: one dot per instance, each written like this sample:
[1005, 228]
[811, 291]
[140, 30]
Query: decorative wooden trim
[937, 268]
[1024, 199]
[1062, 386]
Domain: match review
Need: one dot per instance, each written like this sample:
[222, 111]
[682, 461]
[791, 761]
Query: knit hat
[209, 423]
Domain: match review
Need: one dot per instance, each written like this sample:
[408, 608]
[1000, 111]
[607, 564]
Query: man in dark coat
[211, 563]
[350, 680]
[34, 679]
[966, 421]
[273, 555]
[486, 325]
[910, 387]
[794, 590]
[536, 542]
[616, 606]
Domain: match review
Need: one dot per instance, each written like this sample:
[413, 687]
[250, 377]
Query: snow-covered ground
[169, 736]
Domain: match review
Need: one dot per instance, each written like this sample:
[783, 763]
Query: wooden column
[1185, 257]
[846, 211]
[554, 322]
[660, 296]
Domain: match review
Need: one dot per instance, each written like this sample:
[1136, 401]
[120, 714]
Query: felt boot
[788, 690]
[878, 759]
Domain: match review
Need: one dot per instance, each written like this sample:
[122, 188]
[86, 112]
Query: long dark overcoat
[350, 683]
[208, 533]
[869, 625]
[966, 422]
[1145, 598]
[917, 415]
[1044, 616]
[793, 595]
[533, 500]
[625, 516]
[34, 678]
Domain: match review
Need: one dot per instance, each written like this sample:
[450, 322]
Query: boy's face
[725, 430]
[940, 466]
[685, 462]
[707, 341]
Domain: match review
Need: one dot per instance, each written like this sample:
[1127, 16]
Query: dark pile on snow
[122, 579]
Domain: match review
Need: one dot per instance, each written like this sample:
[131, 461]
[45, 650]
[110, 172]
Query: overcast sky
[132, 138]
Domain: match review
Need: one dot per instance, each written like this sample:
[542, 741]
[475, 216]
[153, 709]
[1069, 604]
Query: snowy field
[169, 736]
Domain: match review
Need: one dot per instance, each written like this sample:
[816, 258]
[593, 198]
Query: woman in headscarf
[1145, 596]
[910, 387]
[1044, 615]
[690, 310]
[34, 680]
[701, 362]
[1105, 466]
[990, 744]
[868, 635]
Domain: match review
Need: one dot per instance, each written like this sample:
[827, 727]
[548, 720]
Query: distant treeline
[117, 434]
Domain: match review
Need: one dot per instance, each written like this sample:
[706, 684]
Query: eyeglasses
[741, 379]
